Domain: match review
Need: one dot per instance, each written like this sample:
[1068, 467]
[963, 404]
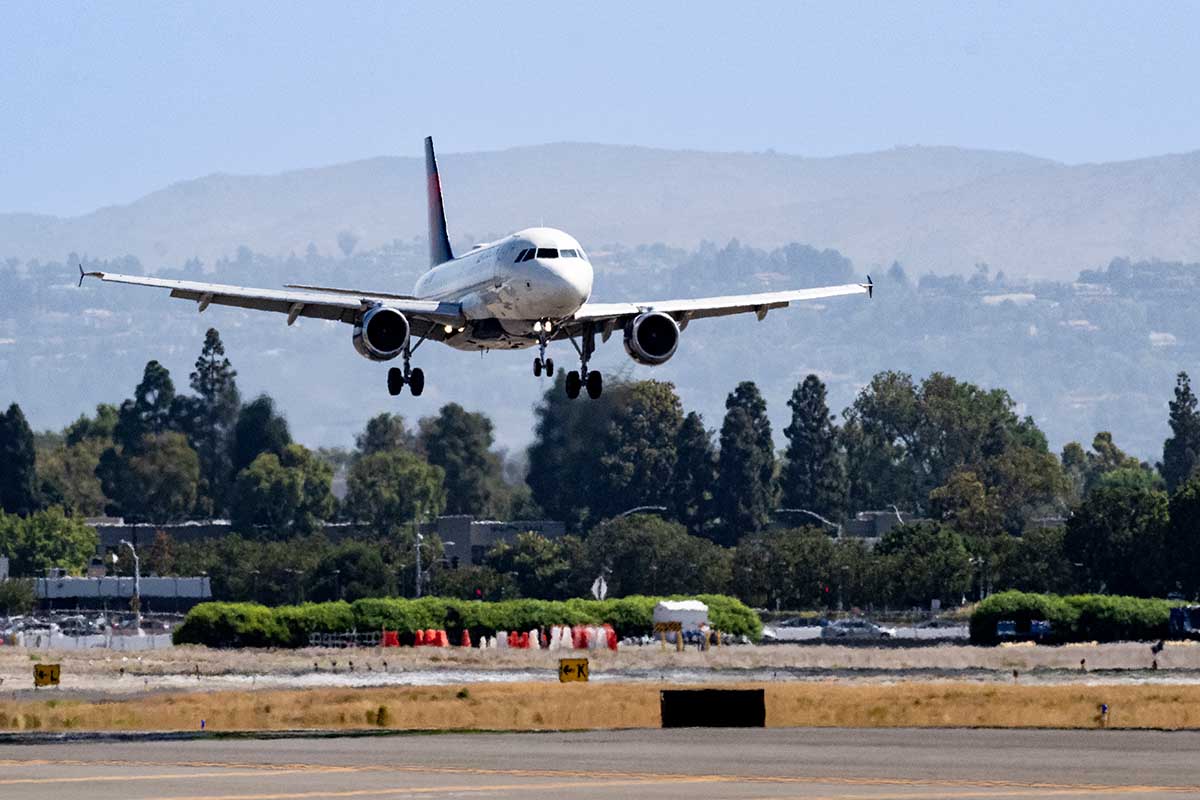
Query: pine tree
[18, 475]
[813, 475]
[695, 475]
[152, 409]
[259, 429]
[746, 480]
[212, 415]
[1181, 451]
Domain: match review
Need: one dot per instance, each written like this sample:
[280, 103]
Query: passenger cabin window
[520, 256]
[567, 253]
[547, 252]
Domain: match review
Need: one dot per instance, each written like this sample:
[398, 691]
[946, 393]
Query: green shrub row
[250, 625]
[1074, 618]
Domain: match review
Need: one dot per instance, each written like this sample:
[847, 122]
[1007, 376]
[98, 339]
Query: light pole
[137, 583]
[420, 571]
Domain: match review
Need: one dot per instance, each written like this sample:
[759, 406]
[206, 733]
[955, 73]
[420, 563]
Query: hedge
[250, 625]
[1074, 618]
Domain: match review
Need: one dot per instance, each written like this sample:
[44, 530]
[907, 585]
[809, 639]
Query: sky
[101, 103]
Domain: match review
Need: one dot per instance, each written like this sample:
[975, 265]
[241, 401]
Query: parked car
[856, 629]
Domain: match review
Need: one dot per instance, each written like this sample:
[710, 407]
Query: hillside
[935, 209]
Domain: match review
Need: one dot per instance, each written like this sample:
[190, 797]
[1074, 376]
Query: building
[61, 591]
[467, 540]
[872, 525]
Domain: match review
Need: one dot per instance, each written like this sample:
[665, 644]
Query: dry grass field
[542, 706]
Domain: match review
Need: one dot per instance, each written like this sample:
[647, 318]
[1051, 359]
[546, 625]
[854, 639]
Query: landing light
[449, 328]
[537, 327]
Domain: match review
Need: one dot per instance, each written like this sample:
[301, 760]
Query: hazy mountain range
[934, 209]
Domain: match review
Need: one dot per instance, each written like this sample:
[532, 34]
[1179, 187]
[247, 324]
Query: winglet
[81, 274]
[869, 286]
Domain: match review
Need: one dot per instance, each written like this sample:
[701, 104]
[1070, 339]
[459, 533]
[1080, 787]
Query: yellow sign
[46, 674]
[572, 669]
[668, 627]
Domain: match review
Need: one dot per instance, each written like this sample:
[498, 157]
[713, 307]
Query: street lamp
[420, 571]
[137, 583]
[836, 527]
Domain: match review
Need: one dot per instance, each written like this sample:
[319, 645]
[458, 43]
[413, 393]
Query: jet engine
[381, 334]
[651, 338]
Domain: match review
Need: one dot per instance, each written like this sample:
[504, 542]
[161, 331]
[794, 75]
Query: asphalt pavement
[780, 763]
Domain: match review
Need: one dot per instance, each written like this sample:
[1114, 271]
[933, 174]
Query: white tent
[691, 614]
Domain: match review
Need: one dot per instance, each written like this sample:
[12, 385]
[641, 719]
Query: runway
[818, 764]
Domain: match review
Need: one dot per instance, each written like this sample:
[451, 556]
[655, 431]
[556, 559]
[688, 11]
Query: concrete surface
[808, 763]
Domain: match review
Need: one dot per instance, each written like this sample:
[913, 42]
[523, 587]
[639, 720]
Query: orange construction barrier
[419, 640]
[513, 639]
[612, 637]
[523, 641]
[391, 639]
[443, 639]
[466, 638]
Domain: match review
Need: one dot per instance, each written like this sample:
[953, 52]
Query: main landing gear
[585, 378]
[415, 378]
[541, 363]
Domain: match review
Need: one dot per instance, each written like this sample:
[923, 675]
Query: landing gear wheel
[573, 384]
[549, 367]
[395, 381]
[595, 384]
[416, 382]
[537, 368]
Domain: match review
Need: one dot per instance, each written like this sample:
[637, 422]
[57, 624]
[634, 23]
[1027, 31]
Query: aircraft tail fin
[439, 241]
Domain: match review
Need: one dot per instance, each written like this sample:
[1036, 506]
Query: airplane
[528, 289]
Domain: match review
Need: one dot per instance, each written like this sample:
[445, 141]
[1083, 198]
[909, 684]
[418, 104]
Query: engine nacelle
[381, 334]
[651, 338]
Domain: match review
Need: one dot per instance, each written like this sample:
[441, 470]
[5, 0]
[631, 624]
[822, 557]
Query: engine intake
[381, 334]
[651, 338]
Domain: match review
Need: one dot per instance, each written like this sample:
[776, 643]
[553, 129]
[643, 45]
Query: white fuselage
[504, 288]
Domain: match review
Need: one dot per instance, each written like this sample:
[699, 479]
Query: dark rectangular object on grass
[713, 708]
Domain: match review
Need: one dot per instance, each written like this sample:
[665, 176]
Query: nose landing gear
[542, 329]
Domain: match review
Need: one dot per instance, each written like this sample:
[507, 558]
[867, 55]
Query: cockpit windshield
[547, 252]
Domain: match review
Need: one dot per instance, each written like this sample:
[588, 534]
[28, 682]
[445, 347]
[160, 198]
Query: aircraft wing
[293, 302]
[685, 310]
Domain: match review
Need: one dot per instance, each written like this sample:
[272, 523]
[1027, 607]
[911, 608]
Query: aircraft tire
[416, 382]
[595, 385]
[573, 384]
[537, 368]
[395, 381]
[549, 367]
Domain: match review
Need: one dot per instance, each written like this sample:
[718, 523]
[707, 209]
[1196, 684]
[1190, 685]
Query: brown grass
[540, 706]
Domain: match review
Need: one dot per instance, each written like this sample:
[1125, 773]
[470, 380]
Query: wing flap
[294, 303]
[702, 307]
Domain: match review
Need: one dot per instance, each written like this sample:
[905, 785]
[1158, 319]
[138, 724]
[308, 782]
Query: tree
[283, 495]
[1183, 537]
[562, 468]
[923, 562]
[99, 428]
[154, 481]
[18, 464]
[212, 415]
[637, 455]
[1118, 535]
[1087, 470]
[346, 242]
[391, 489]
[45, 539]
[351, 571]
[694, 478]
[259, 429]
[67, 477]
[904, 440]
[645, 554]
[785, 569]
[1181, 451]
[152, 409]
[745, 496]
[813, 476]
[540, 567]
[1037, 563]
[385, 432]
[459, 442]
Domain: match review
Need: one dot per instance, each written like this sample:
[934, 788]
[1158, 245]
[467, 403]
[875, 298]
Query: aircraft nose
[573, 277]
